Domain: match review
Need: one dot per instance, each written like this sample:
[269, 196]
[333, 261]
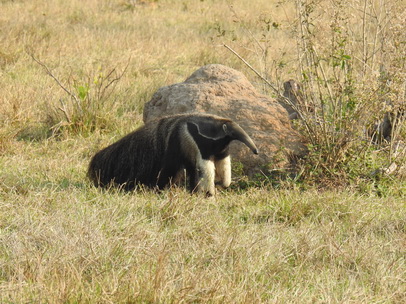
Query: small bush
[88, 105]
[349, 78]
[350, 62]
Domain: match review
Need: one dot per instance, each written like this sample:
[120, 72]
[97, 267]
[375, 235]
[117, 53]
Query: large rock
[223, 91]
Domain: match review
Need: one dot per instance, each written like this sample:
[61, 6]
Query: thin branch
[118, 76]
[116, 79]
[254, 70]
[48, 71]
[364, 39]
[287, 100]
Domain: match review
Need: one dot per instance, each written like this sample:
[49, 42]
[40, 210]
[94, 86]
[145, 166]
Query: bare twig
[48, 71]
[273, 87]
[116, 79]
[62, 108]
[254, 70]
[364, 39]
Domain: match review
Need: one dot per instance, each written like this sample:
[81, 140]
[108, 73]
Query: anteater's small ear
[208, 129]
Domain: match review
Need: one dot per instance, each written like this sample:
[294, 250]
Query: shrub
[350, 61]
[88, 105]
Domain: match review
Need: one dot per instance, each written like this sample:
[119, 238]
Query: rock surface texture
[223, 91]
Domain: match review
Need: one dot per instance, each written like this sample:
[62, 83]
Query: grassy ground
[63, 241]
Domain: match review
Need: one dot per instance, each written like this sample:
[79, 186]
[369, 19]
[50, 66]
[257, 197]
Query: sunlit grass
[64, 241]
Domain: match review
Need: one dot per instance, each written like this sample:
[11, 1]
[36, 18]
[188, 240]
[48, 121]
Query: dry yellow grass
[63, 241]
[162, 44]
